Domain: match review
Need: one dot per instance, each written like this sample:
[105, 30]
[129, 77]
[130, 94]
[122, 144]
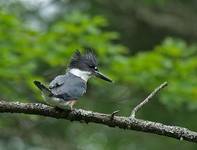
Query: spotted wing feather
[58, 81]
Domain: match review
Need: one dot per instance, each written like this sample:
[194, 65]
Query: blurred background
[139, 43]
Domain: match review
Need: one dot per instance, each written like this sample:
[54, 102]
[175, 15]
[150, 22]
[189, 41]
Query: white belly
[53, 101]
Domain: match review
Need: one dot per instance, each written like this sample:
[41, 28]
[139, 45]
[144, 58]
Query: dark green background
[139, 44]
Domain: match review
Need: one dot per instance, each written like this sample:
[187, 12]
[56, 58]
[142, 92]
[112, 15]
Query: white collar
[84, 75]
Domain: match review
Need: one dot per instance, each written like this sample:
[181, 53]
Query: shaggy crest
[83, 61]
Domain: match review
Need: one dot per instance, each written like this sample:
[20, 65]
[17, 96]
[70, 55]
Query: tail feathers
[43, 88]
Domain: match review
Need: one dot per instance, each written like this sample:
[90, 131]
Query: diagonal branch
[135, 110]
[100, 118]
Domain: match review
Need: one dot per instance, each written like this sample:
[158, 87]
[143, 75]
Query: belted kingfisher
[65, 90]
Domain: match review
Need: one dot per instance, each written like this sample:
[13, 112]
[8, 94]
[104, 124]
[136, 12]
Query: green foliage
[27, 55]
[173, 61]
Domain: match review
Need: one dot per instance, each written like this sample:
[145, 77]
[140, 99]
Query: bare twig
[84, 116]
[135, 110]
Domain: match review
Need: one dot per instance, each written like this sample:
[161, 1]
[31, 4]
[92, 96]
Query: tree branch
[147, 99]
[100, 118]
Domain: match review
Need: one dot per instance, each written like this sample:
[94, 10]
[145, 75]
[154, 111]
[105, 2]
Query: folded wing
[68, 87]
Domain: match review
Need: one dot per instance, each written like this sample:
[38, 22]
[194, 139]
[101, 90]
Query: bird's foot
[66, 106]
[71, 104]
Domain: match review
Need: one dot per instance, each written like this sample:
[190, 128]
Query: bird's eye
[93, 67]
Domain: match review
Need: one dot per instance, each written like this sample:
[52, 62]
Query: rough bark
[110, 120]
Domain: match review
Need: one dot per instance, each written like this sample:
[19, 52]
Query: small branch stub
[146, 100]
[113, 114]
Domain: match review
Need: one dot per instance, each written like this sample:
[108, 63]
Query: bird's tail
[43, 88]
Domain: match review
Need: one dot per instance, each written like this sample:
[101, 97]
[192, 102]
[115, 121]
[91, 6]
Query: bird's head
[85, 66]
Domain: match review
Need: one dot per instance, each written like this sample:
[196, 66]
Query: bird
[65, 90]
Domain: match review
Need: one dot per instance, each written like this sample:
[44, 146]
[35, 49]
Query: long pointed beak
[102, 76]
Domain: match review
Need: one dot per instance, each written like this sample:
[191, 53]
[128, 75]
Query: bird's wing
[78, 88]
[72, 88]
[58, 81]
